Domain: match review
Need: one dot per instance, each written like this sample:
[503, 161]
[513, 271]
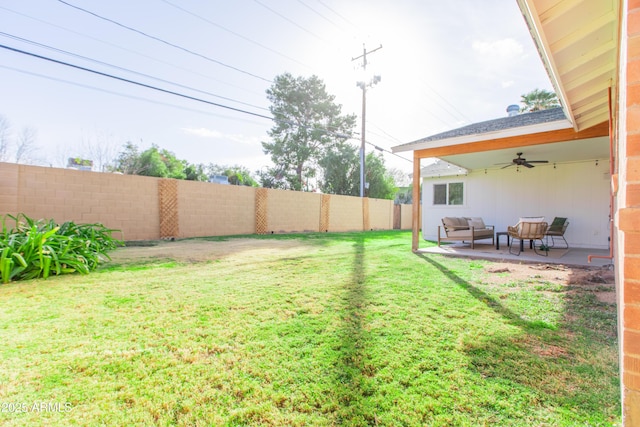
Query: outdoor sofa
[465, 229]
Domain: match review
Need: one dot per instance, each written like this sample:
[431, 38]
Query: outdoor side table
[501, 233]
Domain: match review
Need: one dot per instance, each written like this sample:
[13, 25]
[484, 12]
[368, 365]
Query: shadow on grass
[565, 369]
[480, 295]
[350, 375]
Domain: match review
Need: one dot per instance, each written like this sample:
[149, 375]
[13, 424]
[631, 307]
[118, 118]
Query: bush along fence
[146, 208]
[39, 248]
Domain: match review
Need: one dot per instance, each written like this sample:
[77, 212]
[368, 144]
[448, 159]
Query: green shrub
[40, 248]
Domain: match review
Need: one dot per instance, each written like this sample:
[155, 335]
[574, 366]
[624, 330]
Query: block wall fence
[146, 208]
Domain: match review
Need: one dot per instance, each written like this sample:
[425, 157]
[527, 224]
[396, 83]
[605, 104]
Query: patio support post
[415, 204]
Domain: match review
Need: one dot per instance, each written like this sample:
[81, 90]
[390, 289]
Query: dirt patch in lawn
[204, 250]
[599, 280]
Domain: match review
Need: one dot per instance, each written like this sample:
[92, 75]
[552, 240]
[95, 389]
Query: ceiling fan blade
[538, 161]
[510, 164]
[527, 164]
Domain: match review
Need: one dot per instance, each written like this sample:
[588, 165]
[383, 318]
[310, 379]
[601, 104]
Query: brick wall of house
[628, 220]
[146, 208]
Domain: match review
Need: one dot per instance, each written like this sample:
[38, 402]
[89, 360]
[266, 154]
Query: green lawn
[342, 329]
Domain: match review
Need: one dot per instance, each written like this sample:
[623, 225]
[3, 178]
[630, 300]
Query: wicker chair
[556, 230]
[527, 231]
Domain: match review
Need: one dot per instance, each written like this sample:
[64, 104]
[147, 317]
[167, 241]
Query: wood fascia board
[488, 136]
[549, 137]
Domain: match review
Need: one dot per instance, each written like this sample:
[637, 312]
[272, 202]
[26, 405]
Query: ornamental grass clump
[40, 248]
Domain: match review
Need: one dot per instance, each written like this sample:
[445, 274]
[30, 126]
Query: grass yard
[320, 330]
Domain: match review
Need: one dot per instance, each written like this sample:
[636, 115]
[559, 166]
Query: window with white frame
[448, 194]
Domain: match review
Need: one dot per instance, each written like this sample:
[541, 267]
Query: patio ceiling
[577, 41]
[560, 152]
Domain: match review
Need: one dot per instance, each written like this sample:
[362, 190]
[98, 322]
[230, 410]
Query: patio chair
[556, 230]
[527, 231]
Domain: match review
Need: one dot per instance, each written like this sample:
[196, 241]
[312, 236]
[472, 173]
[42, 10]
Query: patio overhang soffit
[578, 43]
[557, 142]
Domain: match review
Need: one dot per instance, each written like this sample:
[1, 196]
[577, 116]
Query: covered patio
[573, 181]
[572, 257]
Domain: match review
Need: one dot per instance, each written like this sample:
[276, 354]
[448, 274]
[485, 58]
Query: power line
[388, 136]
[293, 22]
[189, 70]
[322, 16]
[111, 92]
[127, 70]
[453, 107]
[338, 14]
[184, 49]
[234, 33]
[170, 92]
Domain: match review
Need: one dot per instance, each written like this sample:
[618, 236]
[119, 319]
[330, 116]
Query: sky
[443, 64]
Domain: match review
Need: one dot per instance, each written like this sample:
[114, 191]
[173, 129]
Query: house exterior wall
[578, 191]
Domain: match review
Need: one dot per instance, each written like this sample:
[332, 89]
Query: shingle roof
[495, 125]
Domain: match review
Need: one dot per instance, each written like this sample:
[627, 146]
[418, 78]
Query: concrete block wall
[9, 187]
[293, 211]
[206, 209]
[405, 217]
[131, 203]
[380, 214]
[124, 202]
[345, 214]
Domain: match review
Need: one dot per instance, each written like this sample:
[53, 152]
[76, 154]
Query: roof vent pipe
[513, 110]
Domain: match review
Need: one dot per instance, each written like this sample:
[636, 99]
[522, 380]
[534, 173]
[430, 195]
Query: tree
[5, 138]
[538, 99]
[128, 161]
[341, 170]
[381, 184]
[195, 172]
[161, 163]
[26, 145]
[238, 175]
[272, 178]
[151, 162]
[307, 122]
[101, 150]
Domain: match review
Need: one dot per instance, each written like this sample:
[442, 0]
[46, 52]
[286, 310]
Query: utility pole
[363, 85]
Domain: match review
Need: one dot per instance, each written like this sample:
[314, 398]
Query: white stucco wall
[578, 191]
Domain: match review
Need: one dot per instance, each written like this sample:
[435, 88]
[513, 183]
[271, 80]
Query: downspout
[614, 187]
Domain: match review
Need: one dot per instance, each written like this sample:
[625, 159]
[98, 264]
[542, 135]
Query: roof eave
[478, 137]
[532, 20]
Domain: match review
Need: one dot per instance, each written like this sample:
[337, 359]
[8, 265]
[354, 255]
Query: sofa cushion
[476, 223]
[531, 219]
[466, 234]
[452, 221]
